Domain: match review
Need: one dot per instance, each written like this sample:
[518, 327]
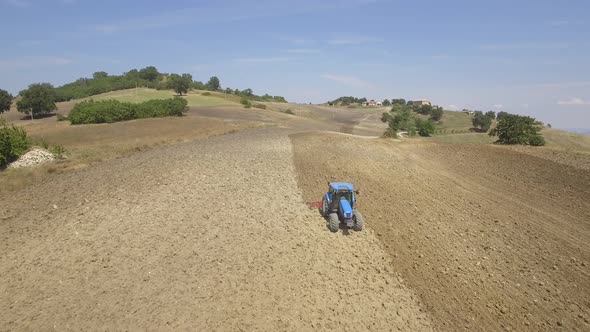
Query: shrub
[13, 143]
[206, 94]
[110, 111]
[537, 140]
[159, 108]
[261, 106]
[289, 111]
[244, 101]
[437, 113]
[390, 133]
[42, 144]
[58, 151]
[424, 128]
[61, 117]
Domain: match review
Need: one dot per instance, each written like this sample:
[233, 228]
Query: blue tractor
[338, 206]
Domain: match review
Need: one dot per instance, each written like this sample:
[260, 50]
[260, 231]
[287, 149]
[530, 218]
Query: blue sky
[526, 57]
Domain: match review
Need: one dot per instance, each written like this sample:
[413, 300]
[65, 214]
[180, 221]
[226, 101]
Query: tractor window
[347, 195]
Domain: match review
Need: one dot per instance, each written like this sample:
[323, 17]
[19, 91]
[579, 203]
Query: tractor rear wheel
[357, 217]
[324, 208]
[333, 222]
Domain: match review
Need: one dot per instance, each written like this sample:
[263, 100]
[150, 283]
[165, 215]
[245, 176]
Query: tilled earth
[490, 239]
[206, 235]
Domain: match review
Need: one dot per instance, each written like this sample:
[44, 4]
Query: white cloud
[354, 40]
[574, 101]
[262, 60]
[348, 80]
[303, 51]
[498, 106]
[297, 41]
[29, 62]
[523, 46]
[557, 23]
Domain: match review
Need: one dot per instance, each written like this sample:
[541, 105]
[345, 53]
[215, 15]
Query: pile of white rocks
[34, 157]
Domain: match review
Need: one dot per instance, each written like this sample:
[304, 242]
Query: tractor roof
[341, 186]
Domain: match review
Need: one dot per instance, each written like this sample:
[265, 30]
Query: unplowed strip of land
[491, 239]
[204, 235]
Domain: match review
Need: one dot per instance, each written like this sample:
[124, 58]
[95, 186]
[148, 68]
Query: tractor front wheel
[333, 222]
[357, 217]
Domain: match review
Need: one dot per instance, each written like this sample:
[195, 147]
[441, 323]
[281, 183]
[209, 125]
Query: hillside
[194, 98]
[441, 221]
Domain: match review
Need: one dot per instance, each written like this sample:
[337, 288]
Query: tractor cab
[338, 191]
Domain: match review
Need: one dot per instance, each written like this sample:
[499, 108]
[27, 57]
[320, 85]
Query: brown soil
[212, 233]
[490, 239]
[205, 235]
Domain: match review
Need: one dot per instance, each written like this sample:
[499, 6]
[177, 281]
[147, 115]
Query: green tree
[247, 92]
[181, 84]
[386, 102]
[399, 101]
[198, 85]
[213, 84]
[501, 114]
[133, 74]
[402, 120]
[549, 125]
[518, 129]
[425, 127]
[149, 73]
[5, 101]
[100, 74]
[424, 109]
[491, 114]
[437, 113]
[481, 121]
[39, 99]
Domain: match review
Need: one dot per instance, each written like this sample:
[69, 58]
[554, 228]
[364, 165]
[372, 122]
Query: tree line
[509, 128]
[403, 117]
[41, 98]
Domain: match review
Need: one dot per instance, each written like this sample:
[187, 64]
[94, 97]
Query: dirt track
[491, 239]
[207, 235]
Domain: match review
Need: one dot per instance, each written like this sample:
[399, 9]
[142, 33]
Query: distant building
[370, 103]
[421, 102]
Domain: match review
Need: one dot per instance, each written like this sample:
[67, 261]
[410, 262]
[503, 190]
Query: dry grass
[453, 120]
[194, 98]
[87, 144]
[464, 138]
